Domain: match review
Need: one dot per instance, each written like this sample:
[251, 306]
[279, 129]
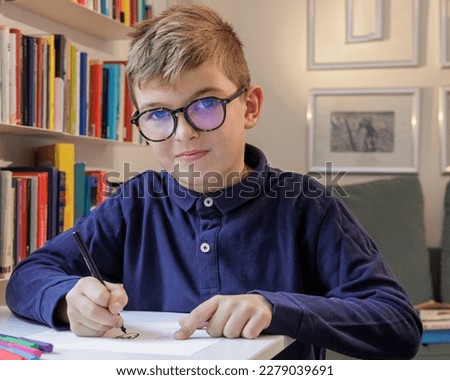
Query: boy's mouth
[192, 155]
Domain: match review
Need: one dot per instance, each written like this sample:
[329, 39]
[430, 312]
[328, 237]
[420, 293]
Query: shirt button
[208, 202]
[205, 248]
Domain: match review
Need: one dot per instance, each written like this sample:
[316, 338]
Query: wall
[275, 39]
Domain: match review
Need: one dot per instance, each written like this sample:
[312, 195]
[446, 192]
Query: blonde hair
[182, 38]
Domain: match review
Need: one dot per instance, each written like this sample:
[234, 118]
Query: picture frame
[377, 33]
[364, 130]
[331, 24]
[444, 126]
[445, 32]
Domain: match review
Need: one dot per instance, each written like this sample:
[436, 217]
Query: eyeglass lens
[204, 114]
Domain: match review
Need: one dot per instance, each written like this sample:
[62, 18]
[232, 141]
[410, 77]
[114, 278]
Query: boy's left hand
[245, 315]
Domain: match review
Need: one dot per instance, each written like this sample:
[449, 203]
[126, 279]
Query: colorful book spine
[83, 102]
[80, 189]
[95, 98]
[62, 156]
[4, 74]
[6, 224]
[18, 77]
[51, 82]
[102, 186]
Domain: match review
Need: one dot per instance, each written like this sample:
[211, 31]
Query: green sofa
[392, 212]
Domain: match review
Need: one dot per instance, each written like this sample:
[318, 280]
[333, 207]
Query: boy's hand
[230, 316]
[91, 309]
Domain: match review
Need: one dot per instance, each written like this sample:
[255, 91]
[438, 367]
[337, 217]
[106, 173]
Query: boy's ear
[255, 97]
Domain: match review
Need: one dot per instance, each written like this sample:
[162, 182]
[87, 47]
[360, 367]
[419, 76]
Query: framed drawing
[444, 125]
[371, 130]
[362, 33]
[445, 33]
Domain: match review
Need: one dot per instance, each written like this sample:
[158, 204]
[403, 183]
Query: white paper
[154, 338]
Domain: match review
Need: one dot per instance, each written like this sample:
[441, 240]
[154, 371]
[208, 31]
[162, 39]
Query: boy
[243, 248]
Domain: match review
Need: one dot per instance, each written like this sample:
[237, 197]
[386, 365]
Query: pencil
[89, 261]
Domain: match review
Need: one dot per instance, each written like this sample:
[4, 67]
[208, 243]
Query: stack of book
[47, 82]
[39, 202]
[436, 325]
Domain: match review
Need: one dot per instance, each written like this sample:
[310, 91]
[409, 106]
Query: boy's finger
[196, 319]
[118, 298]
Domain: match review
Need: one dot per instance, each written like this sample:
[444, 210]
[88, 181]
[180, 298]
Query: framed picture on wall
[445, 33]
[444, 124]
[364, 130]
[362, 34]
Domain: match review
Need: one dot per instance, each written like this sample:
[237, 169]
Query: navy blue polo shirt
[279, 234]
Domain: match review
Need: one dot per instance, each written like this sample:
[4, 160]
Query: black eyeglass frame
[136, 115]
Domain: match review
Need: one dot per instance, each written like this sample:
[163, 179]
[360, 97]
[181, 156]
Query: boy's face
[201, 161]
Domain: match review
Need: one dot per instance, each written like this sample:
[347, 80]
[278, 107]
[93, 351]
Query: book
[21, 218]
[126, 129]
[27, 80]
[61, 202]
[80, 190]
[67, 84]
[112, 102]
[32, 211]
[95, 98]
[90, 182]
[83, 101]
[434, 314]
[12, 78]
[73, 126]
[105, 102]
[60, 78]
[18, 68]
[4, 74]
[61, 156]
[40, 206]
[102, 188]
[38, 81]
[52, 194]
[6, 224]
[51, 82]
[436, 336]
[435, 319]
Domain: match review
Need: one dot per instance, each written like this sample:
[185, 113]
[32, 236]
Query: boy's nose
[185, 131]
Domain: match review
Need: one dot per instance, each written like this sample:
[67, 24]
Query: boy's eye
[206, 103]
[157, 115]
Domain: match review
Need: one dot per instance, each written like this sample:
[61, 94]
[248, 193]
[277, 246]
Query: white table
[162, 346]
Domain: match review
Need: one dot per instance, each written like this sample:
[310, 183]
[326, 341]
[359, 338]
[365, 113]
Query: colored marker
[43, 346]
[8, 355]
[12, 339]
[24, 354]
[32, 351]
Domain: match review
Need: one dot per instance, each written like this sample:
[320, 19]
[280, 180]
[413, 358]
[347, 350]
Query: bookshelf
[56, 136]
[104, 39]
[75, 16]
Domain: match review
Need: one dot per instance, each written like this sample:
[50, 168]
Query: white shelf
[76, 17]
[59, 136]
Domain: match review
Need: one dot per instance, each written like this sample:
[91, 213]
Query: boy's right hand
[91, 309]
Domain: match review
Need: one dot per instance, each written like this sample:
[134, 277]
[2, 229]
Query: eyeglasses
[205, 114]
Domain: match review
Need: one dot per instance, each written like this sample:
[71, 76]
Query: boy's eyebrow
[195, 95]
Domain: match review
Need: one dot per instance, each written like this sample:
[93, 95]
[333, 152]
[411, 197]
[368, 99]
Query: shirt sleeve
[358, 309]
[39, 282]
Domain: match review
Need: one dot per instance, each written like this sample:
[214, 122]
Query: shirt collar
[231, 197]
